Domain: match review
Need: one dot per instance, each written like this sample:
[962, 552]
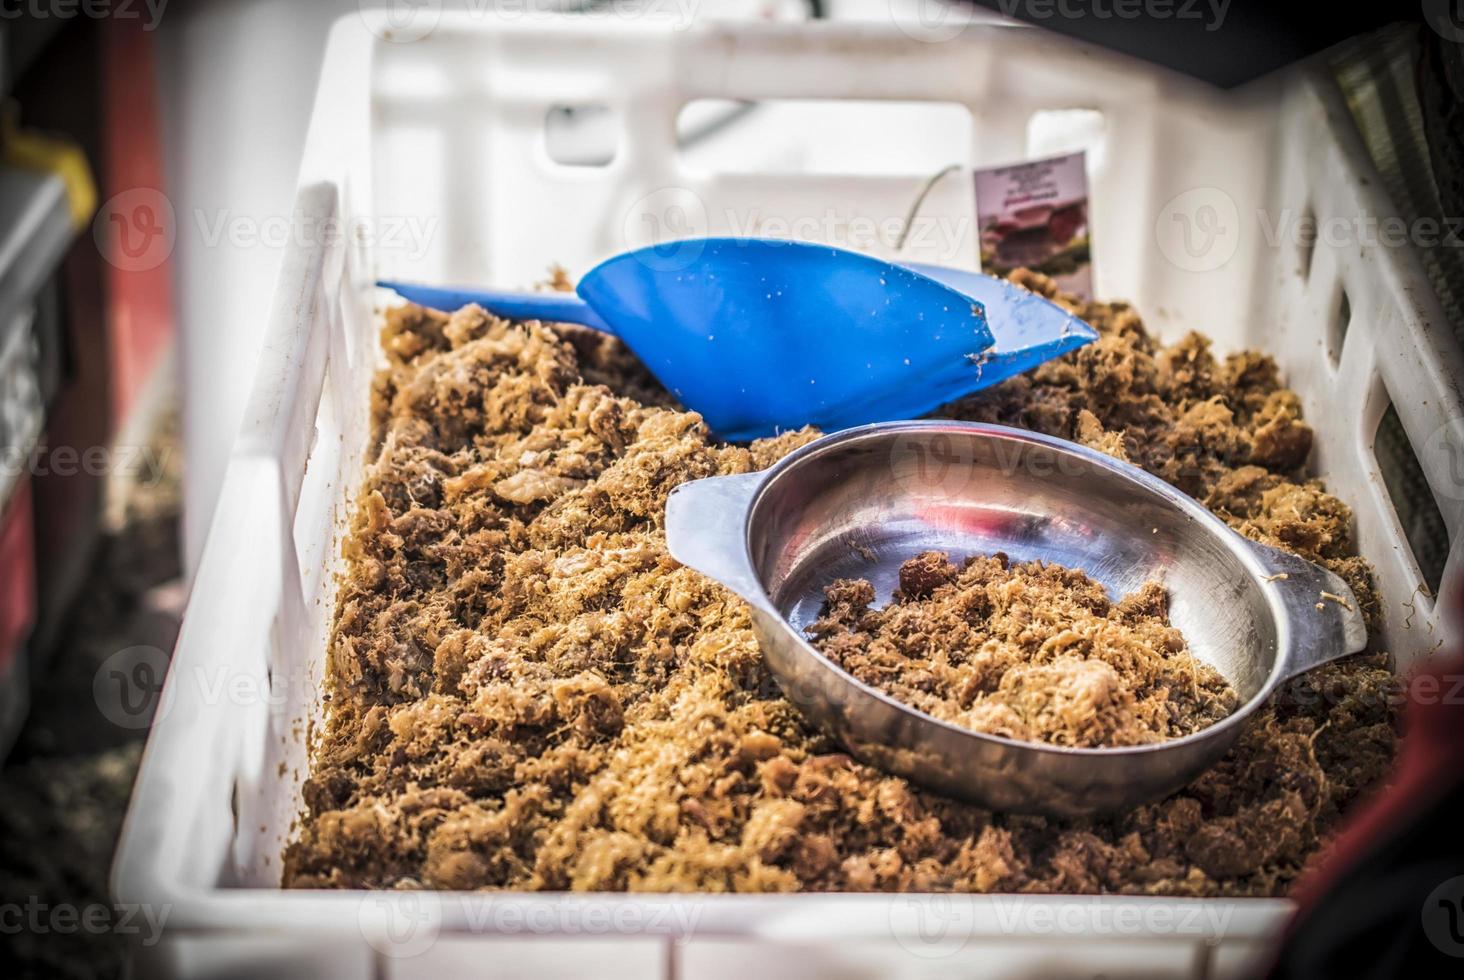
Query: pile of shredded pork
[527, 692]
[1031, 651]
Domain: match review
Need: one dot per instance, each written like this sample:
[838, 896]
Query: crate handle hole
[1411, 496]
[1306, 241]
[1337, 328]
[583, 135]
[1057, 132]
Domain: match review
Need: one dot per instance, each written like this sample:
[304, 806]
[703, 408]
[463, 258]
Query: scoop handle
[1325, 620]
[550, 307]
[706, 529]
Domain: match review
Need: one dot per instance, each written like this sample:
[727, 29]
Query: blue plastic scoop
[763, 335]
[1029, 329]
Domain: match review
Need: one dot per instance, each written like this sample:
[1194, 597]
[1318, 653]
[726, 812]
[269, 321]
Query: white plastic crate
[448, 131]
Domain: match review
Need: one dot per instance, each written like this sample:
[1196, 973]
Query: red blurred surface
[18, 584]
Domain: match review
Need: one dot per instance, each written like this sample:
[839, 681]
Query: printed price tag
[1035, 214]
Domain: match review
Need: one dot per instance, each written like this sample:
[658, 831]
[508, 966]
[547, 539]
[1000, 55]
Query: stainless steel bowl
[858, 503]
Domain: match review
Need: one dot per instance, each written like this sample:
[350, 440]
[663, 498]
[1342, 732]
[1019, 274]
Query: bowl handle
[1326, 622]
[706, 529]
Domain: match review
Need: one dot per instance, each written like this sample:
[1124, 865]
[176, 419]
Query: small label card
[1035, 214]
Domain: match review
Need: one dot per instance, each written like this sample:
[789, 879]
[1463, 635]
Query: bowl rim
[1236, 543]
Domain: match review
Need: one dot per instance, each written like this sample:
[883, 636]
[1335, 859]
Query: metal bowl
[858, 503]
